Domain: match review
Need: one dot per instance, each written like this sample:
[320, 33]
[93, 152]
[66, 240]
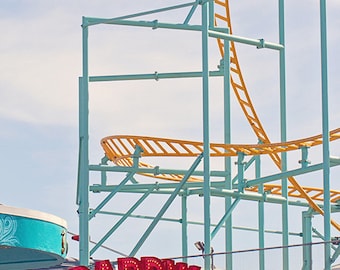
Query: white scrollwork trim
[8, 228]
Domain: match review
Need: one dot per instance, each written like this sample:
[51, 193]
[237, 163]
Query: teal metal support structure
[307, 239]
[83, 187]
[261, 223]
[184, 223]
[227, 160]
[325, 135]
[172, 197]
[206, 131]
[283, 128]
[233, 191]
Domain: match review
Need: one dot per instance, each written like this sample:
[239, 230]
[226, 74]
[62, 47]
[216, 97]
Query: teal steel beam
[336, 253]
[206, 131]
[153, 76]
[227, 160]
[191, 12]
[84, 159]
[147, 24]
[120, 221]
[285, 174]
[325, 135]
[283, 135]
[94, 21]
[251, 196]
[103, 175]
[179, 220]
[307, 239]
[184, 222]
[165, 206]
[156, 170]
[246, 166]
[261, 230]
[319, 235]
[93, 212]
[225, 217]
[259, 43]
[240, 172]
[304, 157]
[81, 138]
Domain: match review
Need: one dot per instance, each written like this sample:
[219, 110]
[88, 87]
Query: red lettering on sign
[153, 263]
[128, 263]
[168, 264]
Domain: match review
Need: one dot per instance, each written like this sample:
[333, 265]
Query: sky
[40, 52]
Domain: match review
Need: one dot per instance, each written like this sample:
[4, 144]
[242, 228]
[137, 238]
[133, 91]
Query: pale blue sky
[40, 52]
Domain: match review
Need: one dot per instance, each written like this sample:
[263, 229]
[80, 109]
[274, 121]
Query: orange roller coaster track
[246, 104]
[119, 149]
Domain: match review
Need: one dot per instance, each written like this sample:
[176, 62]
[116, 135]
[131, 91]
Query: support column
[307, 239]
[283, 123]
[227, 160]
[184, 227]
[325, 136]
[84, 254]
[206, 135]
[260, 215]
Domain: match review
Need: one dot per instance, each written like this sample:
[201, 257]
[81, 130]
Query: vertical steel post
[260, 215]
[227, 160]
[184, 227]
[325, 136]
[283, 123]
[84, 155]
[240, 172]
[206, 135]
[307, 239]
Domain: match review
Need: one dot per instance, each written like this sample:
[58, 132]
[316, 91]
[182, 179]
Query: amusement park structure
[131, 162]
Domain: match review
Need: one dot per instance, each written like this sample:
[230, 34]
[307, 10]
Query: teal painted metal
[206, 131]
[307, 239]
[227, 160]
[240, 172]
[94, 21]
[153, 76]
[120, 222]
[227, 188]
[84, 254]
[259, 43]
[184, 222]
[191, 12]
[283, 128]
[154, 24]
[225, 217]
[325, 134]
[110, 196]
[260, 216]
[335, 254]
[166, 206]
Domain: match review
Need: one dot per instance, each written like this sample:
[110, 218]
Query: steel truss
[124, 154]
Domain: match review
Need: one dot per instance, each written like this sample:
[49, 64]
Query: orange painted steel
[245, 102]
[120, 148]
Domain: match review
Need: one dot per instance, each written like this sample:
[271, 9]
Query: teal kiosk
[31, 239]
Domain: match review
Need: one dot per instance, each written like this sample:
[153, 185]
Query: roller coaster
[134, 155]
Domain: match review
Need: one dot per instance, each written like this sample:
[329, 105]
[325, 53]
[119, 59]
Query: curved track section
[120, 150]
[223, 18]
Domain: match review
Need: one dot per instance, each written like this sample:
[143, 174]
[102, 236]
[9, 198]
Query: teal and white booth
[31, 239]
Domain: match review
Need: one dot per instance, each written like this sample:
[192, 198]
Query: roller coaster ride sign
[153, 263]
